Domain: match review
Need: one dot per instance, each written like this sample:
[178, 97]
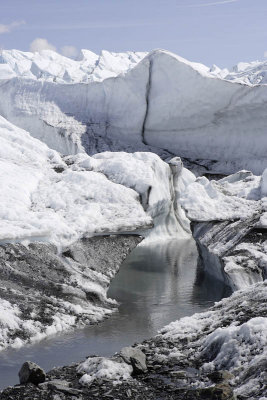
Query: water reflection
[157, 284]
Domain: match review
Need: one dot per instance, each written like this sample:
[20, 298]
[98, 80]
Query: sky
[221, 32]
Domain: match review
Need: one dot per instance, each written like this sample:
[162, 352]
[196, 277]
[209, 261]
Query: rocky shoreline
[185, 361]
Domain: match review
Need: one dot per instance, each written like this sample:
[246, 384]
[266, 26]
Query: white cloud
[214, 3]
[69, 51]
[40, 44]
[9, 27]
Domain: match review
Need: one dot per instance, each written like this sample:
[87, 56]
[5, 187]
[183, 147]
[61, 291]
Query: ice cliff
[158, 99]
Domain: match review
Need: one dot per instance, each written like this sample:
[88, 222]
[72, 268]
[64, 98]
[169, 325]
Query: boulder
[31, 373]
[136, 358]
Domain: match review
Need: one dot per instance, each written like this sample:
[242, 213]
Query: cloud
[40, 44]
[214, 3]
[9, 27]
[69, 51]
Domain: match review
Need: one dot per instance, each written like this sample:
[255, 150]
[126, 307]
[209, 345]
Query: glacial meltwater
[156, 284]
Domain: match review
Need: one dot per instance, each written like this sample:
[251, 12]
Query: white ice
[37, 202]
[235, 197]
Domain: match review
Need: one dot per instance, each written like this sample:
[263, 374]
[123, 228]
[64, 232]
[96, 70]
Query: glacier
[158, 99]
[96, 148]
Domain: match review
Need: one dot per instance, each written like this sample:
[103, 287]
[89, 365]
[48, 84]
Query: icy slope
[164, 101]
[57, 203]
[63, 199]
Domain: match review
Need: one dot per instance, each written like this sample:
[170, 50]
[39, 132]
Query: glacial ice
[235, 197]
[158, 99]
[57, 207]
[64, 199]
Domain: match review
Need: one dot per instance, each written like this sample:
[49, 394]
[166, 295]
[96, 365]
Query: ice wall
[163, 101]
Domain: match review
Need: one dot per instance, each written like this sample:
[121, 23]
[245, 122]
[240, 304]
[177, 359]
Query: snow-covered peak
[47, 65]
[250, 73]
[87, 57]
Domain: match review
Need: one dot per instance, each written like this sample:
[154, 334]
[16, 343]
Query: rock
[220, 376]
[31, 373]
[136, 358]
[222, 391]
[131, 352]
[139, 366]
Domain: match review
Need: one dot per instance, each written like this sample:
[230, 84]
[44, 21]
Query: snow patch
[99, 368]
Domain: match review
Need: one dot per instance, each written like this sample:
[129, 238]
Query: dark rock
[222, 391]
[220, 376]
[59, 169]
[31, 373]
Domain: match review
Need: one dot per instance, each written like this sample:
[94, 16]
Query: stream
[157, 283]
